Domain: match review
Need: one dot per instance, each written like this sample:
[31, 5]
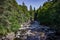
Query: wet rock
[35, 32]
[10, 36]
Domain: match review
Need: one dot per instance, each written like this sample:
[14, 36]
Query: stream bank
[34, 31]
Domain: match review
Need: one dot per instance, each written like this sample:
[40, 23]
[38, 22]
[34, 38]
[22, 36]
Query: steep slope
[11, 16]
[49, 14]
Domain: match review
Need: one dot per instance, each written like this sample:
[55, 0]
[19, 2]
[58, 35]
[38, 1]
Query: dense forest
[13, 15]
[49, 14]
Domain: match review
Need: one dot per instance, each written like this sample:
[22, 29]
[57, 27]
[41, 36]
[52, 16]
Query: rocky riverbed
[34, 31]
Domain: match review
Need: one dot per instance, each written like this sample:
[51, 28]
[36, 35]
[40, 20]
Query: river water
[34, 31]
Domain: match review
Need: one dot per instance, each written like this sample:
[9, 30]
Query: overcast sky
[34, 3]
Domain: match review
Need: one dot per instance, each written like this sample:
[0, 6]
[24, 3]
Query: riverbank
[33, 31]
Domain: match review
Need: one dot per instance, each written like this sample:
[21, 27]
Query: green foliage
[31, 11]
[12, 16]
[49, 14]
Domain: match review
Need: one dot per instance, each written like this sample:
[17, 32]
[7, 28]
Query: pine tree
[23, 4]
[30, 8]
[23, 7]
[30, 12]
[34, 9]
[35, 14]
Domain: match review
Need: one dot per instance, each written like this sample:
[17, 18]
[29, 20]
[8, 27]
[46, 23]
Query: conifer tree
[30, 12]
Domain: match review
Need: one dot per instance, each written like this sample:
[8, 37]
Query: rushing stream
[34, 31]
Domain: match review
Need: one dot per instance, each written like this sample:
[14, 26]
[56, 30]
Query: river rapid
[34, 31]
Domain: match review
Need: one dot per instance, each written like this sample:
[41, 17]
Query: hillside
[12, 16]
[49, 14]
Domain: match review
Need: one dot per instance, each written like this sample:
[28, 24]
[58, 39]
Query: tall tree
[23, 4]
[30, 12]
[34, 9]
[35, 14]
[23, 7]
[30, 9]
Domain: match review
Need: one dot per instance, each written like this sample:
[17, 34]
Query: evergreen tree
[30, 12]
[34, 9]
[30, 9]
[23, 4]
[23, 7]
